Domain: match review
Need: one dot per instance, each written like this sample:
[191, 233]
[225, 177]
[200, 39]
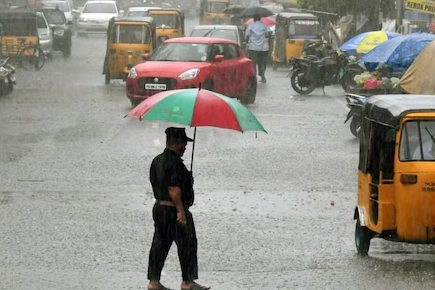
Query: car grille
[169, 82]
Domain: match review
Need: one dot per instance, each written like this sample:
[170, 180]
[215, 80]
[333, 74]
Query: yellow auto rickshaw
[169, 23]
[292, 32]
[213, 12]
[128, 38]
[396, 172]
[20, 38]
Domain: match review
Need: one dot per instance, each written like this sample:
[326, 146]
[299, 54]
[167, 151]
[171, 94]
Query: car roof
[213, 27]
[200, 40]
[296, 14]
[101, 1]
[135, 8]
[389, 109]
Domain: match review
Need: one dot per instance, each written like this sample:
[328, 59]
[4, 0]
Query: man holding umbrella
[257, 35]
[173, 190]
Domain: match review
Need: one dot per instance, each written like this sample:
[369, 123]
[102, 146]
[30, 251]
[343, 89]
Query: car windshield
[131, 34]
[216, 7]
[418, 141]
[168, 20]
[54, 17]
[63, 6]
[305, 28]
[194, 52]
[216, 33]
[99, 8]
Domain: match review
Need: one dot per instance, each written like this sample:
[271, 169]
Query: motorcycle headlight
[189, 74]
[132, 74]
[59, 32]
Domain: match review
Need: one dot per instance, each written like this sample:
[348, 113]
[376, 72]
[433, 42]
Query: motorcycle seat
[323, 60]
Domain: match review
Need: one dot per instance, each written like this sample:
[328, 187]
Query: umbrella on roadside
[197, 108]
[397, 53]
[265, 20]
[365, 42]
[250, 12]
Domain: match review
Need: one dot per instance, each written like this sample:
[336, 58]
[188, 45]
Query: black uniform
[168, 169]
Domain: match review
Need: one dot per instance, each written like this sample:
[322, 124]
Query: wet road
[75, 200]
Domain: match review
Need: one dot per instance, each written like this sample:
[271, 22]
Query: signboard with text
[424, 6]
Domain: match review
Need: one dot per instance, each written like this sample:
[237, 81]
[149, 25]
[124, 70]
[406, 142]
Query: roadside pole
[399, 15]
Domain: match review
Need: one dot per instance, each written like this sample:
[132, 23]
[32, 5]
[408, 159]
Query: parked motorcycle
[355, 103]
[326, 66]
[7, 77]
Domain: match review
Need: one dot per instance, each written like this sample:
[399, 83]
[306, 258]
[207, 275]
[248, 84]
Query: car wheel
[250, 92]
[208, 85]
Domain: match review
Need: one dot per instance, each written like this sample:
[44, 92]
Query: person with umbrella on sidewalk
[172, 185]
[257, 37]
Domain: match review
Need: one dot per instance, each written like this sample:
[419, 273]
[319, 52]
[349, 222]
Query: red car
[217, 64]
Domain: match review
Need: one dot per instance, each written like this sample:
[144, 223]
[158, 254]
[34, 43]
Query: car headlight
[132, 74]
[59, 32]
[189, 74]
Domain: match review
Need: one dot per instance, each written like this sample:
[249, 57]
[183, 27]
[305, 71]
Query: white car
[138, 11]
[45, 34]
[95, 16]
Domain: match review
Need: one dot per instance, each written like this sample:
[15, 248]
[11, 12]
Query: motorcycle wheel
[347, 83]
[355, 126]
[301, 84]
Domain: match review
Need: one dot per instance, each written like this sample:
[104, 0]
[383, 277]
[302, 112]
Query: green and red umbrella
[197, 108]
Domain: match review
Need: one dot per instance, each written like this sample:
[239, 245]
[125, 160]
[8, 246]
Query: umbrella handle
[193, 149]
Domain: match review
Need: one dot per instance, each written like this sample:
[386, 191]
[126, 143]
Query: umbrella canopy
[365, 42]
[252, 11]
[197, 108]
[418, 79]
[265, 20]
[397, 53]
[234, 9]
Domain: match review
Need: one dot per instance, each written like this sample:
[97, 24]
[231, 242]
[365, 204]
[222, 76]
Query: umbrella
[397, 53]
[365, 42]
[234, 9]
[197, 108]
[265, 20]
[252, 11]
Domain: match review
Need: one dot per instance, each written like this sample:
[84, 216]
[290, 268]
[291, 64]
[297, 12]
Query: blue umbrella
[397, 53]
[365, 42]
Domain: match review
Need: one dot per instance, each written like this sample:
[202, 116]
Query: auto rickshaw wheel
[135, 102]
[362, 239]
[250, 92]
[302, 84]
[107, 78]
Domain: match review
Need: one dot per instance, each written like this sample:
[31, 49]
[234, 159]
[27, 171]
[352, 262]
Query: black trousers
[259, 58]
[167, 230]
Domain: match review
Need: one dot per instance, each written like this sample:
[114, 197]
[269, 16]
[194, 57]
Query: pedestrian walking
[257, 34]
[172, 185]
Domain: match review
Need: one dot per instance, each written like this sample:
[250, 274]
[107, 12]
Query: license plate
[158, 87]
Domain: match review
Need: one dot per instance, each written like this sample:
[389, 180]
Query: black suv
[62, 29]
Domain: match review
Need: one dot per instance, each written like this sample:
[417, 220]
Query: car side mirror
[145, 56]
[218, 58]
[69, 22]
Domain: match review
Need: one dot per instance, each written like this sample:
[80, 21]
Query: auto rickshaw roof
[390, 109]
[17, 14]
[296, 15]
[161, 9]
[133, 19]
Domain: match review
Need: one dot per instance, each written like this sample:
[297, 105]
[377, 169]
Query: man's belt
[165, 203]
